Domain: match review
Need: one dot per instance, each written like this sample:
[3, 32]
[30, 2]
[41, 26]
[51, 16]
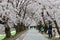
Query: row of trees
[13, 11]
[16, 12]
[50, 19]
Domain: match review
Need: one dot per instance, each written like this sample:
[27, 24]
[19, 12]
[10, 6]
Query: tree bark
[45, 25]
[16, 28]
[7, 29]
[7, 32]
[56, 26]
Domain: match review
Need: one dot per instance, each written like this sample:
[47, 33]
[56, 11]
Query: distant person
[50, 30]
[42, 29]
[54, 34]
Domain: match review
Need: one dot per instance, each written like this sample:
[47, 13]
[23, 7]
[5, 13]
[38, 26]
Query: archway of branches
[20, 14]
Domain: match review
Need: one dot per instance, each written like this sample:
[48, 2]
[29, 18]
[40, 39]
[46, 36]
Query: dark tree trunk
[24, 27]
[56, 26]
[45, 25]
[16, 28]
[38, 27]
[19, 27]
[7, 29]
[7, 32]
[45, 28]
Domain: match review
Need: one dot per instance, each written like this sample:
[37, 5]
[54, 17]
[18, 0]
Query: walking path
[32, 34]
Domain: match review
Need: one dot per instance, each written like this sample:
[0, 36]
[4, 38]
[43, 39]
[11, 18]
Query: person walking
[50, 29]
[54, 34]
[42, 29]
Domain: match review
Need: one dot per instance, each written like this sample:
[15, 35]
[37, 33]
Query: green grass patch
[13, 33]
[2, 36]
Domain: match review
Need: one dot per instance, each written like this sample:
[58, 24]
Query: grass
[16, 36]
[13, 33]
[2, 36]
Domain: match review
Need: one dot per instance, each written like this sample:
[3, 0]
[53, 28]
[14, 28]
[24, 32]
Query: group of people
[51, 33]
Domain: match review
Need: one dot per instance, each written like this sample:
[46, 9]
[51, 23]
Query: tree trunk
[45, 25]
[7, 32]
[17, 29]
[38, 27]
[24, 27]
[7, 29]
[56, 26]
[45, 28]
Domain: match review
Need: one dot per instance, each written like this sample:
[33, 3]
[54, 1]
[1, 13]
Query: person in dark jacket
[50, 30]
